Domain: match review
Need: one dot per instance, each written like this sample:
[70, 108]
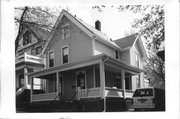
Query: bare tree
[41, 17]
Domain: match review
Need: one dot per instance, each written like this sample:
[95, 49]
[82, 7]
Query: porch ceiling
[117, 65]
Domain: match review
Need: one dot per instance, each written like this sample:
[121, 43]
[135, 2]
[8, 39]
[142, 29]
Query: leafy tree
[151, 27]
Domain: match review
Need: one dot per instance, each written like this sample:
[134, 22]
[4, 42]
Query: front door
[81, 84]
[81, 79]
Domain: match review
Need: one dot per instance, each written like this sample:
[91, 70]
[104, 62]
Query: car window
[143, 92]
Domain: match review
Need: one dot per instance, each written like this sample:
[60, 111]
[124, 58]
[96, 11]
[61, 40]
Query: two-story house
[85, 65]
[29, 45]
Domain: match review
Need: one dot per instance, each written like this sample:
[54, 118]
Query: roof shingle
[127, 41]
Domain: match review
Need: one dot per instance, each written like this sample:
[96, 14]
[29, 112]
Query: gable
[26, 39]
[29, 36]
[127, 41]
[140, 47]
[87, 29]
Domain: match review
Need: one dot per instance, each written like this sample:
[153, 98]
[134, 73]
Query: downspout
[103, 61]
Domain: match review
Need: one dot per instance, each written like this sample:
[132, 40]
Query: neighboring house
[82, 63]
[29, 46]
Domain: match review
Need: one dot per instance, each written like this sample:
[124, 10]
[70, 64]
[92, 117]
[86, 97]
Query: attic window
[38, 50]
[66, 31]
[137, 59]
[26, 38]
[116, 54]
[33, 51]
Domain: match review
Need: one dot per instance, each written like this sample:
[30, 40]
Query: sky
[113, 23]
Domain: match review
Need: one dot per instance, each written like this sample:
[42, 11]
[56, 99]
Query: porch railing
[113, 92]
[29, 58]
[129, 93]
[44, 97]
[89, 93]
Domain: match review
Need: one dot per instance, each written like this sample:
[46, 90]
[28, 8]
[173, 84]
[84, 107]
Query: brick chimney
[98, 25]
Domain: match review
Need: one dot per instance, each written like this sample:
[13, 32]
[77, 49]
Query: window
[38, 50]
[21, 80]
[65, 54]
[138, 81]
[97, 77]
[118, 81]
[116, 54]
[128, 82]
[137, 59]
[143, 92]
[51, 59]
[80, 76]
[29, 71]
[26, 38]
[33, 51]
[66, 31]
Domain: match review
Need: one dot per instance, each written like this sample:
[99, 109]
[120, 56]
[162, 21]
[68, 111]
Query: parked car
[149, 99]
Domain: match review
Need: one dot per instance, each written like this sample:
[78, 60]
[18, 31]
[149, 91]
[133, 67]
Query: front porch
[97, 77]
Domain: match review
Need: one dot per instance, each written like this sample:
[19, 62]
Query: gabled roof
[127, 41]
[40, 33]
[89, 30]
[97, 32]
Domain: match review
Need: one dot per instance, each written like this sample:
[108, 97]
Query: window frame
[26, 41]
[118, 80]
[116, 54]
[52, 51]
[85, 80]
[138, 81]
[129, 82]
[64, 31]
[62, 52]
[33, 51]
[137, 60]
[37, 48]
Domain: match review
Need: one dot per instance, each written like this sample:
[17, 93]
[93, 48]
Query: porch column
[57, 84]
[32, 83]
[102, 80]
[102, 83]
[123, 83]
[25, 76]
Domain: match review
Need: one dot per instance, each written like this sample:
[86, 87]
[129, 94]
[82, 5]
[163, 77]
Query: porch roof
[87, 62]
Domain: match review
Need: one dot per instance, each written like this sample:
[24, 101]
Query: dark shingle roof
[94, 30]
[127, 41]
[40, 33]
